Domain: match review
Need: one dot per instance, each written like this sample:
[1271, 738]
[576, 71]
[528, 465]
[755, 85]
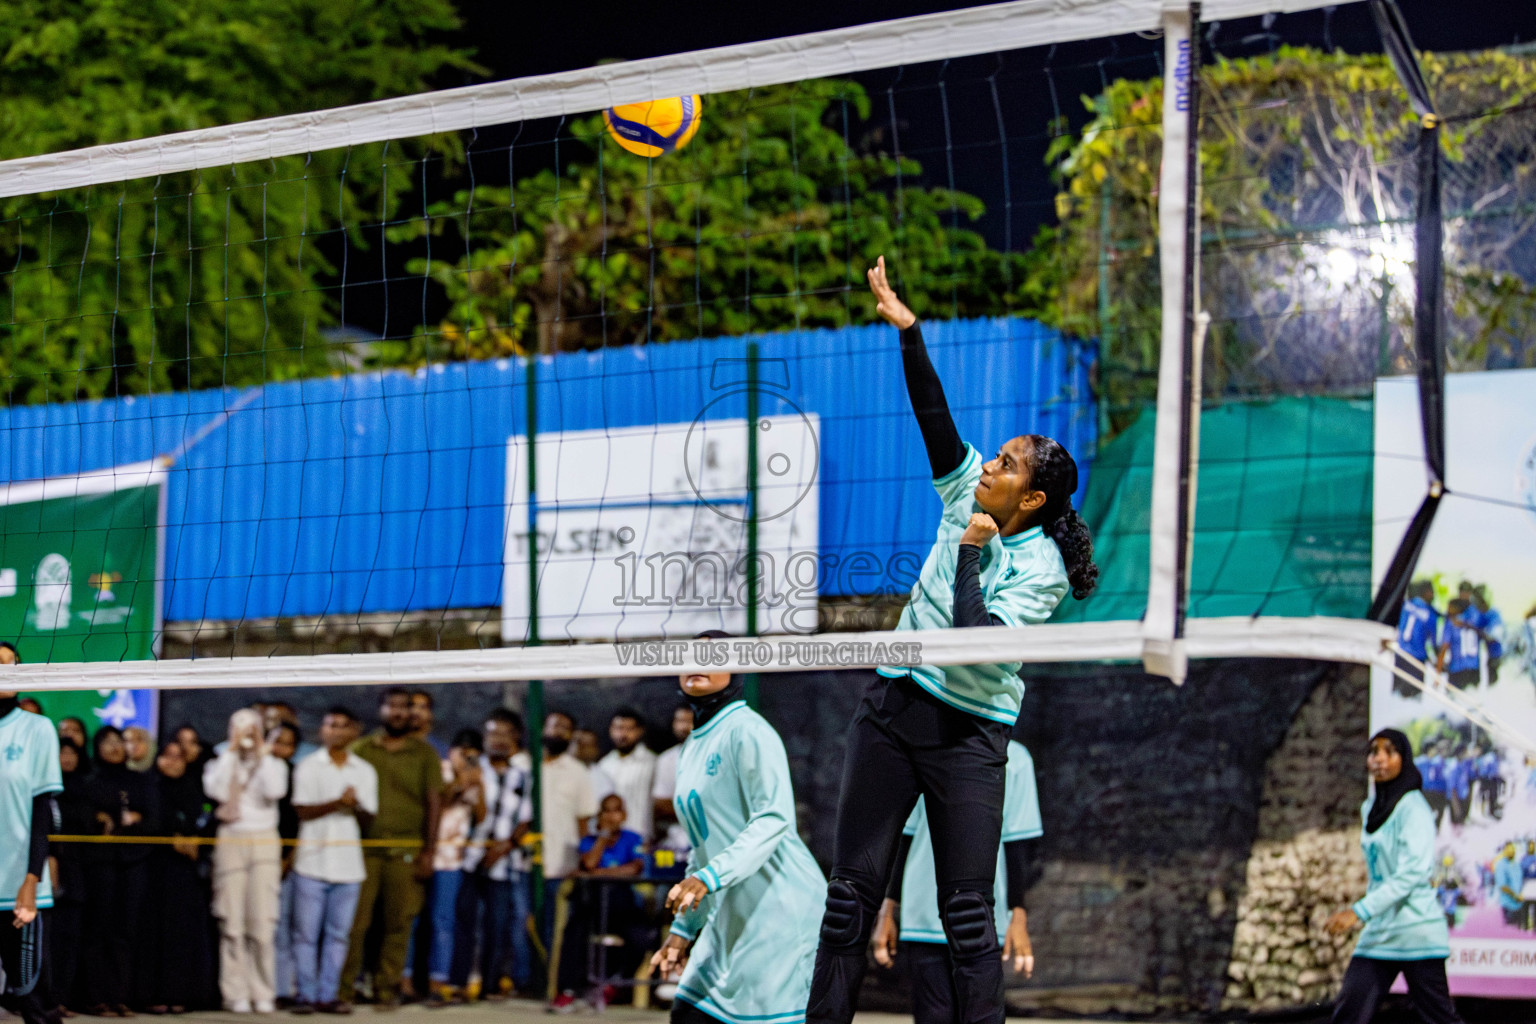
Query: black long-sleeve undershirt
[945, 453]
[1020, 857]
[970, 608]
[42, 825]
[945, 449]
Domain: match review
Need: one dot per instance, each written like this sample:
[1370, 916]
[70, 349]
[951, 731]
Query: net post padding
[929, 37]
[1355, 641]
[1178, 378]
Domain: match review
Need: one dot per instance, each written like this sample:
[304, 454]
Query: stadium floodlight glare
[1350, 261]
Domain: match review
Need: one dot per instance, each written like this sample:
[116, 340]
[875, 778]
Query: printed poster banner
[1472, 612]
[80, 561]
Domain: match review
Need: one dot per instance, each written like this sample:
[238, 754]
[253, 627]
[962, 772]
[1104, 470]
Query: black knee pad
[968, 925]
[843, 923]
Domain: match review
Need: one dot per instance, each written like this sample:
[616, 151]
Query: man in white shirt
[566, 807]
[632, 767]
[335, 792]
[587, 750]
[665, 786]
[247, 782]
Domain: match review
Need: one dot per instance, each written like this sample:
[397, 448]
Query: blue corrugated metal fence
[384, 491]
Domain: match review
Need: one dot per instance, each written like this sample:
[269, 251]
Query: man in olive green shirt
[410, 788]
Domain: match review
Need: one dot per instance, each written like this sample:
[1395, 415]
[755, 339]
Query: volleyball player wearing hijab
[1008, 548]
[1405, 932]
[745, 932]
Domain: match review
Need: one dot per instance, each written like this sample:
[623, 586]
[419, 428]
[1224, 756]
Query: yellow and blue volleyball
[656, 126]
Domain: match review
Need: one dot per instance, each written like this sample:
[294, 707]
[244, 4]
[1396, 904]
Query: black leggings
[933, 984]
[687, 1013]
[904, 742]
[1367, 980]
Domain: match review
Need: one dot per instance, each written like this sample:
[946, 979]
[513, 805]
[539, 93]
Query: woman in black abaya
[179, 971]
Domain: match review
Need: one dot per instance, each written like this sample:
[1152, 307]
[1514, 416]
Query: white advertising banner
[642, 532]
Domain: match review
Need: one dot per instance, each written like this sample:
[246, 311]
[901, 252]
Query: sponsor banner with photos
[1471, 613]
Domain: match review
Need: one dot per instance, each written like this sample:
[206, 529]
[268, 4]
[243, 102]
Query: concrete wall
[1306, 862]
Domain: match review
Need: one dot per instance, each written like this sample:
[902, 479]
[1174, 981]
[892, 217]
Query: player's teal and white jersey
[919, 890]
[29, 767]
[754, 936]
[1023, 578]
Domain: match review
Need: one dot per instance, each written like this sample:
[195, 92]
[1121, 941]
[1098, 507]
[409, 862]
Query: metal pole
[535, 723]
[752, 486]
[1107, 342]
[1384, 344]
[531, 401]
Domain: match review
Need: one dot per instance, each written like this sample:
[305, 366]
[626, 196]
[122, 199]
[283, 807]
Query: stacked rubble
[1306, 861]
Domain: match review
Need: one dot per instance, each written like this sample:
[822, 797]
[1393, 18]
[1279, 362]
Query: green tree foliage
[1307, 206]
[191, 280]
[765, 221]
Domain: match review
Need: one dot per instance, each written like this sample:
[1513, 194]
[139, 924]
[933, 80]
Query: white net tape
[752, 65]
[1324, 639]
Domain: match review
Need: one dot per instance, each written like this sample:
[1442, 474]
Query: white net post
[1164, 652]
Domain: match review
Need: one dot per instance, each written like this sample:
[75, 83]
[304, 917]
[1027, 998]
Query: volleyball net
[453, 386]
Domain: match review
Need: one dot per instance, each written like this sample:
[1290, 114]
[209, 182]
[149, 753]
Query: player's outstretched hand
[686, 895]
[670, 958]
[886, 935]
[1016, 945]
[980, 530]
[887, 304]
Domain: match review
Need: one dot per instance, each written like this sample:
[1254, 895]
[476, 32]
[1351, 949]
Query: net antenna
[1165, 638]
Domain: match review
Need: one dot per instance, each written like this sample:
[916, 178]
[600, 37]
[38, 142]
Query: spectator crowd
[310, 866]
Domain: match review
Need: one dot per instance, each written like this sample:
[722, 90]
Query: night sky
[528, 38]
[517, 39]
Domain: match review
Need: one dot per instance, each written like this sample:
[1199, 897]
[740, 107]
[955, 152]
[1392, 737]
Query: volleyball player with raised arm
[747, 911]
[1008, 548]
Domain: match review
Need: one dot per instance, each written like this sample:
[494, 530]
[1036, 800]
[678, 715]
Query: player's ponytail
[1053, 470]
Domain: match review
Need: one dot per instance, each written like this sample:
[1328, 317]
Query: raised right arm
[945, 449]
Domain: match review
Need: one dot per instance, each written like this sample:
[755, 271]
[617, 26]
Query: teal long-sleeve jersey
[1402, 919]
[1023, 579]
[919, 889]
[754, 936]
